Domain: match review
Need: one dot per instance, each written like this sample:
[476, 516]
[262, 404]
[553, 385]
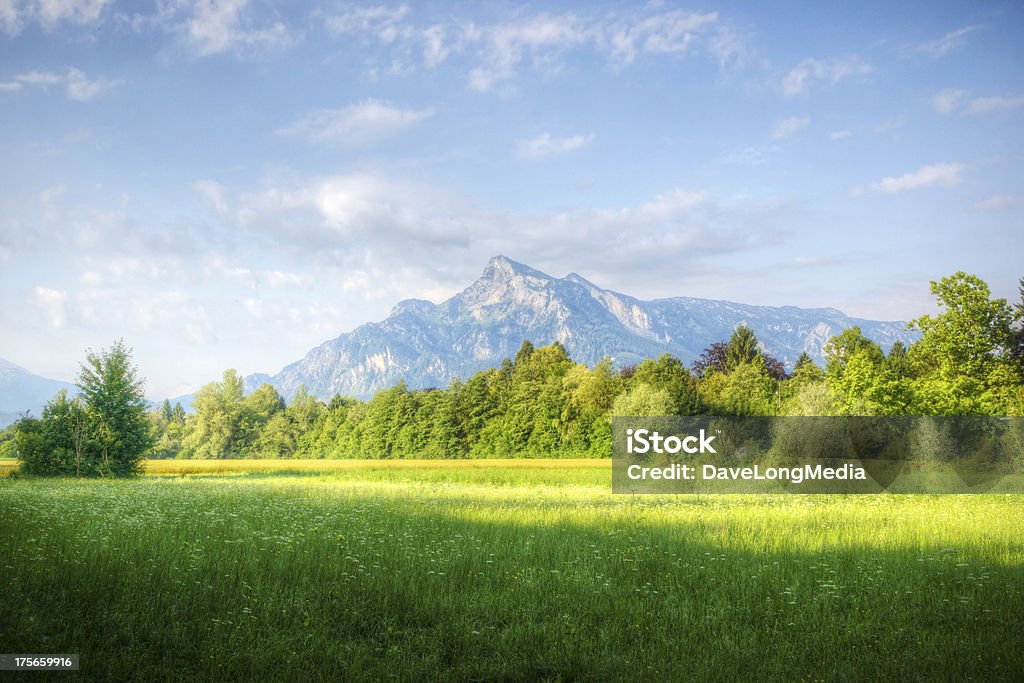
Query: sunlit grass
[286, 570]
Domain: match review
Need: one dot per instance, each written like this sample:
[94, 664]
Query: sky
[229, 183]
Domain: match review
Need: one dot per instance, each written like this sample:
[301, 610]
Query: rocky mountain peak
[429, 345]
[502, 269]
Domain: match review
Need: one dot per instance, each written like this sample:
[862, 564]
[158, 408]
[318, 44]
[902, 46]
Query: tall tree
[970, 333]
[116, 405]
[214, 428]
[742, 348]
[963, 362]
[668, 373]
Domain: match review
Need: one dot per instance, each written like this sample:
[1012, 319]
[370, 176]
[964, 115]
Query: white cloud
[946, 101]
[368, 223]
[272, 271]
[951, 100]
[784, 128]
[674, 31]
[981, 105]
[803, 74]
[51, 302]
[14, 15]
[435, 49]
[357, 124]
[82, 89]
[9, 17]
[544, 145]
[997, 202]
[217, 26]
[40, 78]
[748, 156]
[947, 43]
[839, 134]
[499, 51]
[935, 175]
[77, 85]
[214, 193]
[504, 47]
[381, 21]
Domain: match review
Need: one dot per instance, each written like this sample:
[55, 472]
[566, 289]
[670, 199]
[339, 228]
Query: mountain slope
[430, 344]
[22, 391]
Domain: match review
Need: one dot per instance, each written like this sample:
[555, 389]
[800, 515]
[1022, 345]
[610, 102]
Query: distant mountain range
[429, 344]
[21, 391]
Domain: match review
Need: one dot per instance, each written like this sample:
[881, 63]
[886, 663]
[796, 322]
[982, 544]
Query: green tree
[963, 363]
[970, 334]
[213, 430]
[113, 397]
[842, 347]
[642, 400]
[254, 413]
[742, 348]
[806, 371]
[748, 390]
[668, 373]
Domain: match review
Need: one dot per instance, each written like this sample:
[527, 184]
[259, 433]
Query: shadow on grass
[244, 585]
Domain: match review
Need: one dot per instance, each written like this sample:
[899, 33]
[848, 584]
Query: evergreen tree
[742, 348]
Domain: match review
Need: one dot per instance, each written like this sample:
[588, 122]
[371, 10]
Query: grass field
[512, 570]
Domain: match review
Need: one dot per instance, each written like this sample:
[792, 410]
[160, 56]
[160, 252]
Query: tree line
[969, 360]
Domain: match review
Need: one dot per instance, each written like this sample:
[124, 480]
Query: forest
[969, 360]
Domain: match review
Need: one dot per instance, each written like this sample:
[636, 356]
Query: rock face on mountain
[21, 391]
[430, 344]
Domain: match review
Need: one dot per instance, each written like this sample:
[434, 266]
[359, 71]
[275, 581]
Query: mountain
[22, 391]
[429, 344]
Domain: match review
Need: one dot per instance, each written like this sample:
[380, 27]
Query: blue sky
[227, 184]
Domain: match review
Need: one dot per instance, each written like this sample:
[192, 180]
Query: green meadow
[507, 570]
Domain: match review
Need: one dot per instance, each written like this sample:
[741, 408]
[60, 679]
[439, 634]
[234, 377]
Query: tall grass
[469, 571]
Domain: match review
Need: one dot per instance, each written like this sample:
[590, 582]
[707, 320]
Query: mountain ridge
[428, 344]
[22, 391]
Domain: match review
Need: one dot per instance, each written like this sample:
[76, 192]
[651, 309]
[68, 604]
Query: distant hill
[429, 344]
[21, 391]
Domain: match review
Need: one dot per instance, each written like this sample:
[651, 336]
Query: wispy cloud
[839, 134]
[499, 51]
[800, 78]
[947, 43]
[946, 101]
[934, 175]
[383, 22]
[15, 15]
[952, 100]
[675, 31]
[503, 47]
[996, 202]
[50, 302]
[981, 105]
[785, 128]
[545, 145]
[358, 124]
[216, 26]
[748, 156]
[75, 83]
